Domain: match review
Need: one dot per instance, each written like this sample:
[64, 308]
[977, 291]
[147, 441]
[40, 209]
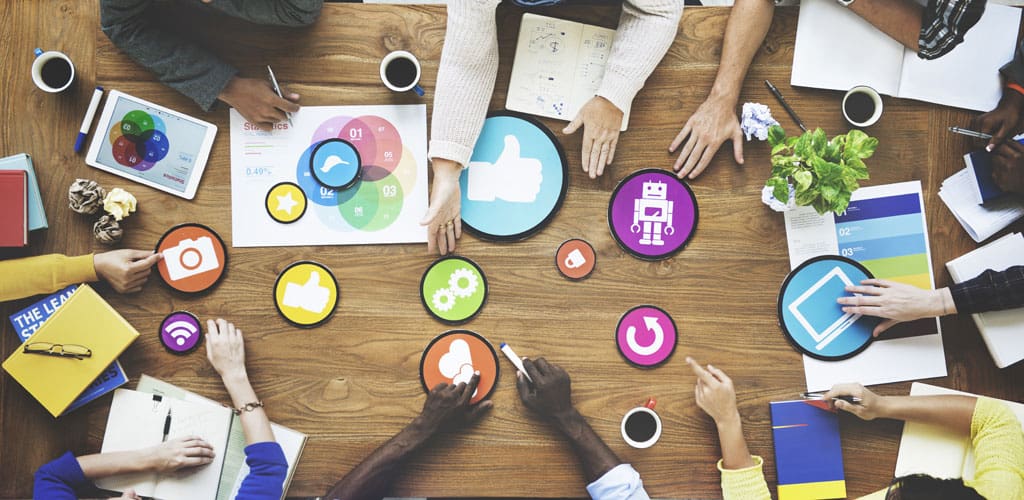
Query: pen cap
[649, 404]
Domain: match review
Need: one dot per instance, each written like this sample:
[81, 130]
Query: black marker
[167, 426]
[785, 105]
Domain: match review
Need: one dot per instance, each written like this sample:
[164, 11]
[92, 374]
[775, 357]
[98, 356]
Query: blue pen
[87, 121]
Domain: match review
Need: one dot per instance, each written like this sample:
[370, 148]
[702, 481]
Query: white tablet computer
[151, 145]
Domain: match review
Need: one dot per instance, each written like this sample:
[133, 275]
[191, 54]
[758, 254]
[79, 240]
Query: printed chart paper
[884, 229]
[384, 206]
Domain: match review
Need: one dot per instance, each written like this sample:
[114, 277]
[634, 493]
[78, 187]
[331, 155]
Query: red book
[13, 208]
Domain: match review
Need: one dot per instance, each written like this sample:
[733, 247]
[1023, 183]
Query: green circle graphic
[453, 289]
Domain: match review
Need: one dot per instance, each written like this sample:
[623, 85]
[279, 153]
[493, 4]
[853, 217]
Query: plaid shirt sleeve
[944, 24]
[990, 291]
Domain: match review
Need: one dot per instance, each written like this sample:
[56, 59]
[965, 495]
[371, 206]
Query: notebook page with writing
[968, 76]
[213, 425]
[838, 50]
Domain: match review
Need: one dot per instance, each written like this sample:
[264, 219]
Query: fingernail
[477, 373]
[710, 367]
[989, 148]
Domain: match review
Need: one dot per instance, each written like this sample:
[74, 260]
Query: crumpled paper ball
[769, 199]
[119, 203]
[107, 230]
[86, 196]
[755, 120]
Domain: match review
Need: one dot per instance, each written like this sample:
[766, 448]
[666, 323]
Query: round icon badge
[575, 259]
[515, 181]
[180, 332]
[453, 289]
[652, 214]
[306, 293]
[646, 336]
[809, 315]
[453, 356]
[286, 202]
[335, 163]
[194, 258]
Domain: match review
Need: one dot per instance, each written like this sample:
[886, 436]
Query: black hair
[925, 487]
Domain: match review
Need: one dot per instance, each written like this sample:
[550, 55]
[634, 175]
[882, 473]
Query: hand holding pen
[869, 406]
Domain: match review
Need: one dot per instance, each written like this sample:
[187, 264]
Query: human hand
[871, 405]
[225, 349]
[550, 393]
[126, 270]
[896, 302]
[1008, 167]
[715, 393]
[708, 128]
[130, 494]
[257, 102]
[1004, 121]
[601, 121]
[449, 404]
[444, 225]
[178, 453]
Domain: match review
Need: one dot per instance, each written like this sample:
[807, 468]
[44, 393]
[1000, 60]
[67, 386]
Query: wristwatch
[846, 3]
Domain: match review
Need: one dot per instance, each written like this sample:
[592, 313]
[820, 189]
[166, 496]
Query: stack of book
[21, 206]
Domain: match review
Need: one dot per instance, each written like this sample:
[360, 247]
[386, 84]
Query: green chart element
[136, 122]
[453, 289]
[372, 205]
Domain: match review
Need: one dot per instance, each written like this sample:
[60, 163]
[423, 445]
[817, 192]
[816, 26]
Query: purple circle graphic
[180, 332]
[652, 214]
[646, 336]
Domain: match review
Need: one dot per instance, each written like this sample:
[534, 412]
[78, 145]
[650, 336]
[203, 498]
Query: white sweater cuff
[450, 151]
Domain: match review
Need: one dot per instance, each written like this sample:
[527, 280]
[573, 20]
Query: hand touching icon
[310, 296]
[510, 178]
[457, 363]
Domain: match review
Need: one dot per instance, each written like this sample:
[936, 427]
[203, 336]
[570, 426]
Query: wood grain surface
[353, 382]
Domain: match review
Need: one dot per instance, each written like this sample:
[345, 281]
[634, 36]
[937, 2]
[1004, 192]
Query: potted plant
[812, 170]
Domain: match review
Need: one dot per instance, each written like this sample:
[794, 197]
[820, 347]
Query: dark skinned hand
[1008, 167]
[550, 394]
[448, 405]
[257, 102]
[1004, 121]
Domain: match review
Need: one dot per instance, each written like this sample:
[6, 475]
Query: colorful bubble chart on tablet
[453, 289]
[515, 181]
[306, 293]
[646, 336]
[180, 332]
[652, 214]
[453, 357]
[194, 258]
[286, 202]
[139, 140]
[810, 317]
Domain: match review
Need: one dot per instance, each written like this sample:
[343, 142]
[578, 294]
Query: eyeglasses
[76, 351]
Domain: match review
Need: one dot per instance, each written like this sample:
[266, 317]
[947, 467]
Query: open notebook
[234, 469]
[838, 50]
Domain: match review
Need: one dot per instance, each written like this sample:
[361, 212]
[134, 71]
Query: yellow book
[84, 321]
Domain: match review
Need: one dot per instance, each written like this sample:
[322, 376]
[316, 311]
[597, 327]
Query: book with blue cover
[29, 319]
[36, 212]
[808, 452]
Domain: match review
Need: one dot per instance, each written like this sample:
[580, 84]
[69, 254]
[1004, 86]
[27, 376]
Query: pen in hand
[277, 89]
[821, 397]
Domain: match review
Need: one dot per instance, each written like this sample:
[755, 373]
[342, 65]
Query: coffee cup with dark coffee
[641, 426]
[400, 72]
[862, 106]
[52, 71]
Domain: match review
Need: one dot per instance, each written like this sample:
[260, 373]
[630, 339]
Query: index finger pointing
[469, 389]
[700, 372]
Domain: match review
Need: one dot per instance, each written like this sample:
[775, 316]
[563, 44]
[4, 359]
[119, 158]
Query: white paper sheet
[980, 221]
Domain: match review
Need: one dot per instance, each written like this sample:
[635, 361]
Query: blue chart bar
[888, 227]
[879, 208]
[884, 248]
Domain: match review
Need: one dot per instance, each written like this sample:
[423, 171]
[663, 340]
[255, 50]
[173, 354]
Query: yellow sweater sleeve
[998, 451]
[29, 276]
[745, 484]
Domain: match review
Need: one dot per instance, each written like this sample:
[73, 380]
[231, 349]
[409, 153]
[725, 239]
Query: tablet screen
[151, 144]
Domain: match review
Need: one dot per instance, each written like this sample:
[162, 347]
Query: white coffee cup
[646, 409]
[37, 70]
[575, 259]
[395, 86]
[875, 99]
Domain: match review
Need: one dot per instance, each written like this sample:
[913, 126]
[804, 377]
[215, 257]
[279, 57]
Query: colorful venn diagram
[139, 140]
[375, 200]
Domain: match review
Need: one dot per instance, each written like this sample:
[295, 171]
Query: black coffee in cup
[860, 107]
[641, 426]
[400, 72]
[56, 72]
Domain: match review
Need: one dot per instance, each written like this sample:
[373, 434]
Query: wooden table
[353, 383]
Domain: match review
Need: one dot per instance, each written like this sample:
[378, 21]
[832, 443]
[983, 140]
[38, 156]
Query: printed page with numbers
[383, 205]
[558, 67]
[884, 229]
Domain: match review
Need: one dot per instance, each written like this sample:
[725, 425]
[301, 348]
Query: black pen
[821, 397]
[167, 426]
[785, 105]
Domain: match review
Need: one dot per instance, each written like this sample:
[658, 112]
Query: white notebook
[1003, 331]
[558, 67]
[137, 421]
[934, 450]
[836, 49]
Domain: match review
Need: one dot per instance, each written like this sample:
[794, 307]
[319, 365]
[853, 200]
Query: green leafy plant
[824, 173]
